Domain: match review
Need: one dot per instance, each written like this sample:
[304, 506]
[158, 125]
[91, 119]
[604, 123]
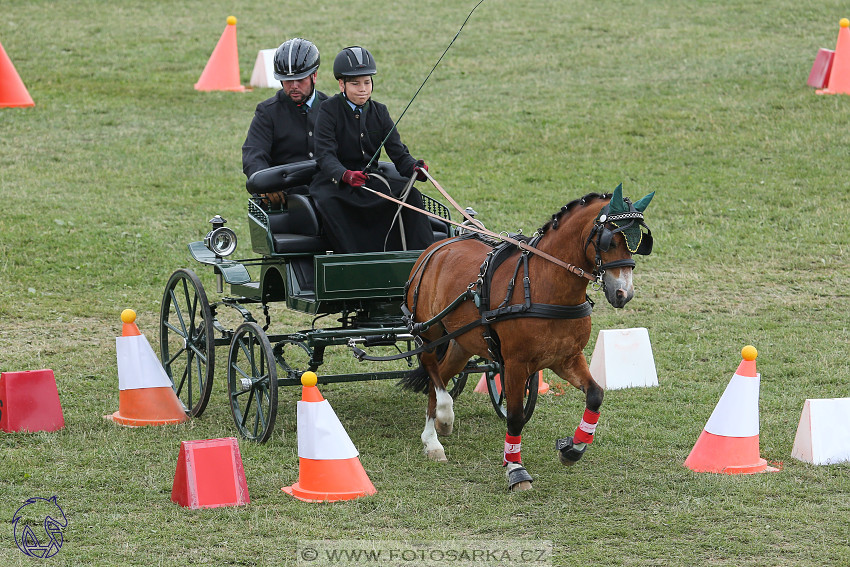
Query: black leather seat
[297, 229]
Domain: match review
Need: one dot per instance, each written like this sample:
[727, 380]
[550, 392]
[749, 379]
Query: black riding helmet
[354, 62]
[295, 59]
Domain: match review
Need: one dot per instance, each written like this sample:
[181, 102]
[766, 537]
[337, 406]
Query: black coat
[354, 219]
[281, 132]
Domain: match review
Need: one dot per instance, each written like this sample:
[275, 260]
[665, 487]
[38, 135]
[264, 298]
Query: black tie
[357, 111]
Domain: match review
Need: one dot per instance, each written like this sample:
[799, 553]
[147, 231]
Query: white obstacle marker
[823, 434]
[263, 73]
[622, 358]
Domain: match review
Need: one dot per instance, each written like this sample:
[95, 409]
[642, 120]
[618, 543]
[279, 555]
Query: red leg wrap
[587, 427]
[513, 446]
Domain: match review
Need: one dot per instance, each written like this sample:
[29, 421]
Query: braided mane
[556, 218]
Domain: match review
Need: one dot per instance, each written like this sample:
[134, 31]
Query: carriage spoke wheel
[186, 340]
[496, 389]
[456, 384]
[252, 382]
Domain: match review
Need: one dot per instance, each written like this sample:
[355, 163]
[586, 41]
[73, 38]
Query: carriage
[362, 291]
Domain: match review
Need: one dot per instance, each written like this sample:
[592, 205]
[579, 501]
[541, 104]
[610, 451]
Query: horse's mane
[556, 218]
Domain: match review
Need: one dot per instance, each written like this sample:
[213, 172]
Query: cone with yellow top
[839, 74]
[222, 70]
[329, 466]
[729, 443]
[146, 395]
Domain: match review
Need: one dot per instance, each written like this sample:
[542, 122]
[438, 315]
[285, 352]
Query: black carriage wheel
[497, 396]
[186, 340]
[456, 384]
[252, 382]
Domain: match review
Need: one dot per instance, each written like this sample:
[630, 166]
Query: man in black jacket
[282, 129]
[350, 129]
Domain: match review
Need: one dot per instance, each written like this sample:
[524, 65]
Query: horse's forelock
[556, 217]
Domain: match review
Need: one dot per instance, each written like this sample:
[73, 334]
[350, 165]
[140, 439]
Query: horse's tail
[416, 380]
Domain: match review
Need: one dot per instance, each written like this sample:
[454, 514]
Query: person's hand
[354, 178]
[275, 200]
[420, 165]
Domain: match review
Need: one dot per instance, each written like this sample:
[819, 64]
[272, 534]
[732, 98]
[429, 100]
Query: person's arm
[256, 151]
[326, 144]
[396, 150]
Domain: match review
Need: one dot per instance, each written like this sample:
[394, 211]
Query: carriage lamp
[221, 240]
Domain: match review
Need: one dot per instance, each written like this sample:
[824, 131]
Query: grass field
[121, 163]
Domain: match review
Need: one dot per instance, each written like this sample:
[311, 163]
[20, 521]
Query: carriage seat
[297, 229]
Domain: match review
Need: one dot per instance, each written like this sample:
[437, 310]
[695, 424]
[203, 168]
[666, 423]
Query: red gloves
[354, 178]
[420, 164]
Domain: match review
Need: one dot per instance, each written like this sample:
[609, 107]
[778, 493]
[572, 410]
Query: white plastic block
[263, 73]
[823, 434]
[622, 358]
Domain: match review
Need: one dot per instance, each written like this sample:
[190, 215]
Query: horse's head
[616, 235]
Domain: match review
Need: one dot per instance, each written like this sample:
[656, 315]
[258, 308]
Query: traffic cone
[729, 442]
[210, 474]
[481, 387]
[329, 468]
[29, 401]
[839, 74]
[13, 93]
[146, 396]
[222, 70]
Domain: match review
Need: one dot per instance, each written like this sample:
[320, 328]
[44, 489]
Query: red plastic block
[819, 75]
[210, 474]
[29, 401]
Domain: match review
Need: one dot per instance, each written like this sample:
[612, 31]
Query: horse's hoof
[438, 455]
[443, 428]
[518, 478]
[568, 454]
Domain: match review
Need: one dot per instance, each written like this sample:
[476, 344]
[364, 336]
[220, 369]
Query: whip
[378, 152]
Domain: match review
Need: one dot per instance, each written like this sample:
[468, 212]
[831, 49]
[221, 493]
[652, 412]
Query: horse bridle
[602, 235]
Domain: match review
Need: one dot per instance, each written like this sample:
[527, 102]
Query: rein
[474, 226]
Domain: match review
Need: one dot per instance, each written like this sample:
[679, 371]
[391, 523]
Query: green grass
[121, 163]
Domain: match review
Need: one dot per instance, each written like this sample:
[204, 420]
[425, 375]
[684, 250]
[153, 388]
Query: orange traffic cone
[222, 70]
[729, 442]
[12, 89]
[146, 396]
[329, 467]
[481, 387]
[839, 74]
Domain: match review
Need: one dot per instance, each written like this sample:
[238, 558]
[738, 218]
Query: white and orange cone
[729, 442]
[146, 396]
[329, 466]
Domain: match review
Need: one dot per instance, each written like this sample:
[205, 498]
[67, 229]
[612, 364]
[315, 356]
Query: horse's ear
[644, 202]
[616, 204]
